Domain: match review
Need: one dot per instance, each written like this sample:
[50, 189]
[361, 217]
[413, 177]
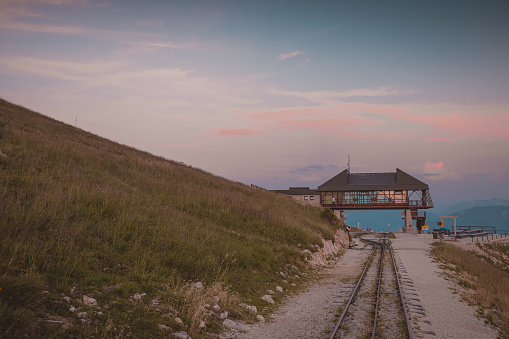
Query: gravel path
[445, 313]
[311, 314]
[436, 311]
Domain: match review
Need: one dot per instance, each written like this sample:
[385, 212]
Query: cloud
[234, 132]
[289, 55]
[256, 76]
[436, 172]
[327, 97]
[432, 167]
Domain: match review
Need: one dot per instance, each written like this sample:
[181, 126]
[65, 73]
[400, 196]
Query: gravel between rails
[434, 307]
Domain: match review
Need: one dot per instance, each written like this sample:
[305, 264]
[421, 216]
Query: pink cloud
[234, 132]
[460, 125]
[434, 167]
[289, 55]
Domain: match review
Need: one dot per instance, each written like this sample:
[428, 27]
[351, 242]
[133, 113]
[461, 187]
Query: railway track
[375, 307]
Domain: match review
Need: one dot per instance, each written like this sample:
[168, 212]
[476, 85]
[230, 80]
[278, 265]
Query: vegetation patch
[84, 216]
[485, 284]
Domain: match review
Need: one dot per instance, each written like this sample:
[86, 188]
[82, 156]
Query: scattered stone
[223, 315]
[198, 285]
[265, 310]
[216, 307]
[235, 325]
[68, 299]
[180, 335]
[138, 296]
[297, 277]
[215, 298]
[89, 301]
[260, 318]
[307, 252]
[206, 306]
[2, 155]
[201, 326]
[293, 285]
[179, 321]
[268, 299]
[285, 281]
[283, 274]
[250, 308]
[279, 289]
[163, 327]
[270, 291]
[82, 314]
[72, 309]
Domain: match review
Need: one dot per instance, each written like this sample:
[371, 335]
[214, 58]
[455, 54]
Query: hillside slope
[81, 215]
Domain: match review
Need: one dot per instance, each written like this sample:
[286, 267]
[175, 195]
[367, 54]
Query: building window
[312, 197]
[305, 197]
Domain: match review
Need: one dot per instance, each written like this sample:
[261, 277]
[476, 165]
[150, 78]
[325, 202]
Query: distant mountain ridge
[497, 216]
[463, 205]
[492, 212]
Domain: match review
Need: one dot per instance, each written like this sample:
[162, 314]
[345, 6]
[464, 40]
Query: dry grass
[84, 214]
[486, 285]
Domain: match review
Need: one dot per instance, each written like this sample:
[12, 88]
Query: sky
[277, 93]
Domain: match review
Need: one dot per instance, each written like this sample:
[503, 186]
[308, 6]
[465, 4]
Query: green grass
[82, 215]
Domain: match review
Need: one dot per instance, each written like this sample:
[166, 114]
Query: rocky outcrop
[330, 249]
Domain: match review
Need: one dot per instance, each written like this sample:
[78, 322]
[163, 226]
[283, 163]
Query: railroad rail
[374, 290]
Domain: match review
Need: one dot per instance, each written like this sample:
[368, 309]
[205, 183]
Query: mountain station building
[370, 191]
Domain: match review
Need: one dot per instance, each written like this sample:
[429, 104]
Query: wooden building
[377, 191]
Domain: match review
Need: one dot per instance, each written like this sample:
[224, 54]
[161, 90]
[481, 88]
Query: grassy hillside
[81, 215]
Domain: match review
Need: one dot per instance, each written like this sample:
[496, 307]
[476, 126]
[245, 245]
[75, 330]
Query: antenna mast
[348, 163]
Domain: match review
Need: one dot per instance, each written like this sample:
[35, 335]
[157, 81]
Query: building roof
[298, 191]
[346, 182]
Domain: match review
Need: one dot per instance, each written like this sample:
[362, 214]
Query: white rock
[163, 327]
[216, 307]
[180, 335]
[89, 301]
[260, 318]
[68, 299]
[215, 298]
[179, 321]
[223, 315]
[270, 291]
[279, 289]
[285, 281]
[268, 299]
[82, 314]
[138, 296]
[198, 285]
[72, 309]
[250, 308]
[235, 325]
[293, 285]
[202, 325]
